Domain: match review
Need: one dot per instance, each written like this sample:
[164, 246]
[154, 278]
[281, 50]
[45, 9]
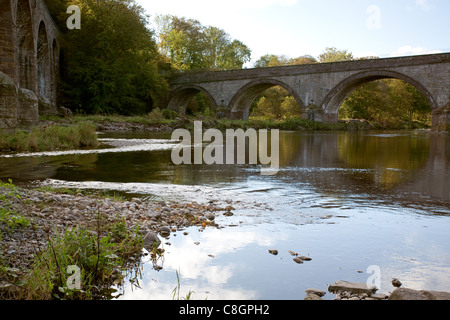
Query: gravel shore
[52, 212]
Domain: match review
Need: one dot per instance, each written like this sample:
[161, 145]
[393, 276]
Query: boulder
[351, 287]
[316, 292]
[28, 109]
[8, 102]
[164, 231]
[65, 112]
[410, 294]
[312, 296]
[46, 107]
[151, 241]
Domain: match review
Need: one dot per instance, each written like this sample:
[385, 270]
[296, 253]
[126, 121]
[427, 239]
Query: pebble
[298, 260]
[164, 231]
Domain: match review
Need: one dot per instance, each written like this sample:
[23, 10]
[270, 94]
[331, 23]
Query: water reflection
[392, 157]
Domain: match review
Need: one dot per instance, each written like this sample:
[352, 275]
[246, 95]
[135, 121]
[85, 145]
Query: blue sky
[383, 28]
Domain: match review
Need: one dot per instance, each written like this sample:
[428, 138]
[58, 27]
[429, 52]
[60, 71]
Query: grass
[10, 220]
[82, 134]
[176, 291]
[155, 117]
[102, 252]
[100, 256]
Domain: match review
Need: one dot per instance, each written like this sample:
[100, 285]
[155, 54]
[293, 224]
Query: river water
[364, 206]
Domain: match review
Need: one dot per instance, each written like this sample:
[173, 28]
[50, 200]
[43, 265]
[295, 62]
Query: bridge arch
[26, 49]
[336, 97]
[43, 61]
[241, 102]
[7, 57]
[180, 98]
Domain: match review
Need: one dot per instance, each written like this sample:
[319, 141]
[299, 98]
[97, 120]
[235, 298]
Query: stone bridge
[30, 50]
[319, 89]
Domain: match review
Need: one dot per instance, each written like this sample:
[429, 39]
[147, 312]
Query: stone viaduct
[30, 50]
[319, 89]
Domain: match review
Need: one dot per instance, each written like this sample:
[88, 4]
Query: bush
[155, 116]
[169, 114]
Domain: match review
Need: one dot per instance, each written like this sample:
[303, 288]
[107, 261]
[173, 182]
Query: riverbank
[36, 222]
[49, 137]
[156, 122]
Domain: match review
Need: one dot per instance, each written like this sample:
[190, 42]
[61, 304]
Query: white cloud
[424, 4]
[412, 51]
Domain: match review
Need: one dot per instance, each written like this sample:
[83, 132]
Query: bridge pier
[441, 119]
[8, 102]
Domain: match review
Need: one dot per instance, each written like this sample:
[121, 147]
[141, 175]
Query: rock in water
[164, 232]
[312, 296]
[298, 260]
[396, 283]
[151, 241]
[354, 288]
[316, 292]
[409, 294]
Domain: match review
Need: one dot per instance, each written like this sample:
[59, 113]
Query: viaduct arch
[30, 46]
[321, 88]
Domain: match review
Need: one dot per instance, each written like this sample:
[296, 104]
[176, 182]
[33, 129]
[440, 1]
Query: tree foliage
[276, 102]
[335, 55]
[112, 61]
[272, 60]
[189, 45]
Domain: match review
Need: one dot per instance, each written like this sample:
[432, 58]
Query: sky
[383, 28]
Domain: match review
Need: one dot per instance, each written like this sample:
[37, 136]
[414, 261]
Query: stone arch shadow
[241, 102]
[26, 52]
[180, 97]
[336, 97]
[43, 54]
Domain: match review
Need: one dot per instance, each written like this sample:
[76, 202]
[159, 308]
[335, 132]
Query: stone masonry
[30, 46]
[319, 89]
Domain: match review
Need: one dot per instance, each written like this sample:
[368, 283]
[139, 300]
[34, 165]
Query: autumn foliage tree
[189, 45]
[112, 62]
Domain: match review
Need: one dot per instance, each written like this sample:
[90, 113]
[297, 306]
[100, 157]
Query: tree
[112, 61]
[189, 45]
[335, 55]
[272, 60]
[276, 101]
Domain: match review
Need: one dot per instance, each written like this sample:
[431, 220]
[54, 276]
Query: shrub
[169, 114]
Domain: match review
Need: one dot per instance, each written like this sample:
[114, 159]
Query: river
[353, 202]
